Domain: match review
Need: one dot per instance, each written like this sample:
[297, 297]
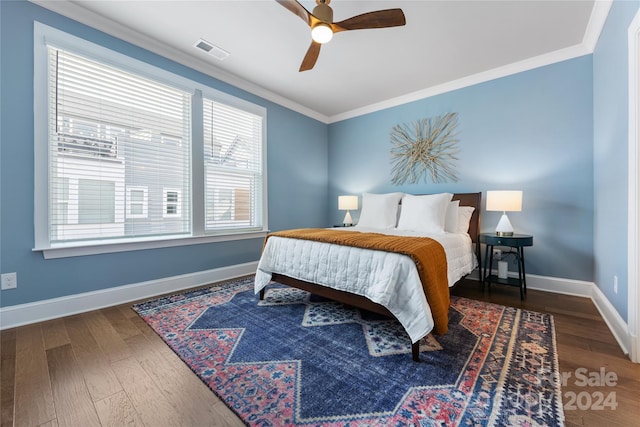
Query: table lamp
[505, 201]
[347, 203]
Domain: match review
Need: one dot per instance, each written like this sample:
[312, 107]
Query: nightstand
[517, 242]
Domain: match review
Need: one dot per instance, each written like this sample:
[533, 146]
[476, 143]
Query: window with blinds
[131, 156]
[233, 167]
[119, 153]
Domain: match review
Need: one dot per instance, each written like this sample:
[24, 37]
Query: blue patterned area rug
[294, 359]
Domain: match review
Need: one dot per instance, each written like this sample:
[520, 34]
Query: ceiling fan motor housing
[323, 12]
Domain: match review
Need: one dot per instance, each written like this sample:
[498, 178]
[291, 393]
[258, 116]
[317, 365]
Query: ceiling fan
[323, 27]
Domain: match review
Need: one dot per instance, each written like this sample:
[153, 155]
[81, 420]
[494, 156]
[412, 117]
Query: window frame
[45, 36]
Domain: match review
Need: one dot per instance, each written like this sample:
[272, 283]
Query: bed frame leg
[415, 351]
[261, 294]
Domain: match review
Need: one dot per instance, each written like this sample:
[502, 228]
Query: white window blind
[117, 142]
[233, 167]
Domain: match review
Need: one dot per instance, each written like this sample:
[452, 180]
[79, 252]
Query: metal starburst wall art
[425, 148]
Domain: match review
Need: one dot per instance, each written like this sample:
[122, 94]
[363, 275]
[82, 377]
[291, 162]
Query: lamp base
[504, 227]
[347, 221]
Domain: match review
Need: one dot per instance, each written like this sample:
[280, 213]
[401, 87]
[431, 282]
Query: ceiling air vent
[211, 49]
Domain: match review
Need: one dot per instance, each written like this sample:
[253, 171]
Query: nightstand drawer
[514, 241]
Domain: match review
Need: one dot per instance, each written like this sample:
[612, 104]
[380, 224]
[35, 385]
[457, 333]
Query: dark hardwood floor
[108, 368]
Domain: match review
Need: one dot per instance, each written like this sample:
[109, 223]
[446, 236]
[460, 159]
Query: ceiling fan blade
[297, 8]
[378, 19]
[311, 57]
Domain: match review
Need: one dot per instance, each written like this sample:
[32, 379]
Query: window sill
[96, 248]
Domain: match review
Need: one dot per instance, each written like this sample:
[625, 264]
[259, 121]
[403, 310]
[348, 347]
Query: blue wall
[297, 176]
[611, 117]
[531, 131]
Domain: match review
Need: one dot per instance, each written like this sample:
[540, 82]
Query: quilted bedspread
[401, 273]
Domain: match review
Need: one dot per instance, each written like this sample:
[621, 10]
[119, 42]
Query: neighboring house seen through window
[108, 132]
[233, 160]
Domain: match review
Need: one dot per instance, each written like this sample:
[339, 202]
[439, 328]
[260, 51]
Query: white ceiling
[444, 45]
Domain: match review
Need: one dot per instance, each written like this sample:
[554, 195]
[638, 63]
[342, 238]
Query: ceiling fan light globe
[321, 33]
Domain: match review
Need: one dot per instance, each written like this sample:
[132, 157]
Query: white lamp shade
[505, 201]
[347, 203]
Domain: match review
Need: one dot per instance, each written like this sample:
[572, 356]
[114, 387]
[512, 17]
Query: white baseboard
[634, 345]
[612, 318]
[23, 314]
[556, 285]
[579, 288]
[619, 328]
[39, 311]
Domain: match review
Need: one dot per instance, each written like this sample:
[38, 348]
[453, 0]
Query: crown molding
[73, 11]
[596, 22]
[485, 76]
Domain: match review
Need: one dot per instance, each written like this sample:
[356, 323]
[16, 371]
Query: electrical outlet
[497, 254]
[9, 281]
[615, 284]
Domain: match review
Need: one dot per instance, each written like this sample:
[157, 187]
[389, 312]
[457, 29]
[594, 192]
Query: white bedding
[386, 278]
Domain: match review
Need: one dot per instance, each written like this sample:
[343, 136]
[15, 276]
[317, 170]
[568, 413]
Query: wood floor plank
[55, 334]
[106, 336]
[8, 343]
[594, 361]
[608, 419]
[151, 335]
[33, 396]
[598, 331]
[7, 371]
[224, 415]
[573, 419]
[74, 406]
[122, 324]
[142, 326]
[117, 410]
[177, 382]
[7, 375]
[127, 311]
[147, 399]
[100, 379]
[573, 340]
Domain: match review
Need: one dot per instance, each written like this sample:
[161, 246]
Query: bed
[380, 281]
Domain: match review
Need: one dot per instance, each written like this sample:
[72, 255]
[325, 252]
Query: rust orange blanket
[428, 255]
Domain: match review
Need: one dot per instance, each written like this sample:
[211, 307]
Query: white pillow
[451, 219]
[464, 217]
[379, 210]
[424, 213]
